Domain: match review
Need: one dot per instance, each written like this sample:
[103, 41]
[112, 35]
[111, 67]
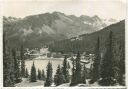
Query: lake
[42, 64]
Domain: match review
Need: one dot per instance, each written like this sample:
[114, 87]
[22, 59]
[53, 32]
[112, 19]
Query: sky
[105, 9]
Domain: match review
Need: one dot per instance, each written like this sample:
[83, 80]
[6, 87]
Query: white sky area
[105, 9]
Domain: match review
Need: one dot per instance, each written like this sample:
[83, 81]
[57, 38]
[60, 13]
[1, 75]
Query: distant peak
[112, 20]
[95, 16]
[84, 16]
[56, 12]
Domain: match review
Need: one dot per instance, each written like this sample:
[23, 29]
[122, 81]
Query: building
[44, 52]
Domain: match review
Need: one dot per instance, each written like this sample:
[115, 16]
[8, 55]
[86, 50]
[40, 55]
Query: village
[44, 52]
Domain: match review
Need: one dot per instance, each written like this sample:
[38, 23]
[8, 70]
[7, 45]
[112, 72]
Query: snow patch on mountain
[27, 31]
[47, 29]
[110, 21]
[87, 23]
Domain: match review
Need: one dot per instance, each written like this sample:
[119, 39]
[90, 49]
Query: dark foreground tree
[49, 80]
[107, 69]
[39, 75]
[33, 73]
[17, 77]
[59, 77]
[76, 71]
[73, 77]
[43, 75]
[22, 61]
[119, 67]
[26, 73]
[8, 71]
[121, 79]
[84, 75]
[95, 73]
[68, 65]
[65, 70]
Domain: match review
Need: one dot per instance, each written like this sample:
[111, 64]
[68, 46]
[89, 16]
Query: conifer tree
[7, 68]
[68, 65]
[33, 73]
[120, 64]
[107, 72]
[11, 69]
[39, 75]
[59, 77]
[95, 74]
[84, 75]
[43, 75]
[121, 78]
[49, 79]
[73, 77]
[65, 70]
[78, 69]
[17, 77]
[26, 73]
[22, 61]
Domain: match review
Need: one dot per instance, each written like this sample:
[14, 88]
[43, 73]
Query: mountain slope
[35, 30]
[86, 42]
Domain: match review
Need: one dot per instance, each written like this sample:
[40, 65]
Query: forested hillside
[86, 42]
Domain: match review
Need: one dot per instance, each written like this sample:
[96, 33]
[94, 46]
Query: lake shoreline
[44, 59]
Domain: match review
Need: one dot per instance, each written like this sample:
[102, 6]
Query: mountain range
[36, 30]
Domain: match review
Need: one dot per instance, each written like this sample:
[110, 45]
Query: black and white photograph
[64, 43]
